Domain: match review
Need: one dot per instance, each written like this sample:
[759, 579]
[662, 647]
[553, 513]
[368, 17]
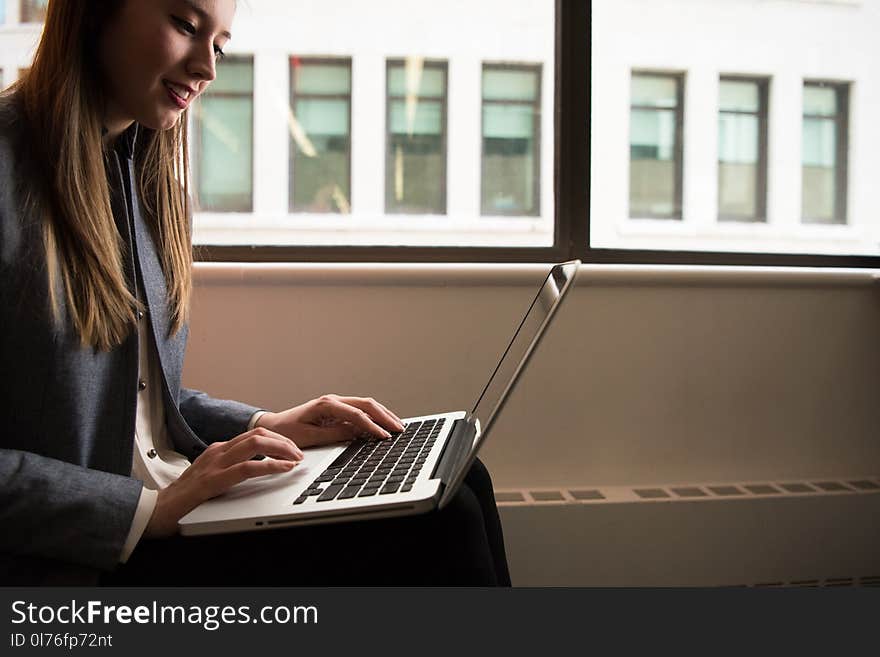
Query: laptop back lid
[512, 364]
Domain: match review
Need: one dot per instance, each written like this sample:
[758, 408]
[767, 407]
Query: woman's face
[156, 56]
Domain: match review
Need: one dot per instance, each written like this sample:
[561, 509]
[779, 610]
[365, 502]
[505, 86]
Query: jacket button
[152, 453]
[142, 385]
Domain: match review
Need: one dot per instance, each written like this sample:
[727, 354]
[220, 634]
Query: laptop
[414, 471]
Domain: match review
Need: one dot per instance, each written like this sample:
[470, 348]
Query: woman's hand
[331, 418]
[217, 469]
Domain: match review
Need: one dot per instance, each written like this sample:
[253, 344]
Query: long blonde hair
[62, 100]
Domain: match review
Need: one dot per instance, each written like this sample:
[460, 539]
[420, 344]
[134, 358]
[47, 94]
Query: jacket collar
[125, 143]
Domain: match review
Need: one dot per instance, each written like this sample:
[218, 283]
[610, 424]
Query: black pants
[462, 545]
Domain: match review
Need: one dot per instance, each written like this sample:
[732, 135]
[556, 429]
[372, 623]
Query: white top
[154, 461]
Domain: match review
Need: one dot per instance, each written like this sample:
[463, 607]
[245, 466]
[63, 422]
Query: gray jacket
[67, 413]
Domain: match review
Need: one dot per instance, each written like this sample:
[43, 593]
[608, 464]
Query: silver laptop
[412, 472]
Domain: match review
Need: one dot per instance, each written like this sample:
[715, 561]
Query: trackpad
[315, 462]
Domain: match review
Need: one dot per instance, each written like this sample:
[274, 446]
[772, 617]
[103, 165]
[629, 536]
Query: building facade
[726, 125]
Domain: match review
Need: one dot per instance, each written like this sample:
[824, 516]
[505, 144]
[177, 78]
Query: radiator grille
[869, 580]
[688, 492]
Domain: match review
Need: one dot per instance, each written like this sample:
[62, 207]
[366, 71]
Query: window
[721, 117]
[824, 153]
[642, 147]
[320, 143]
[511, 175]
[223, 139]
[742, 149]
[365, 149]
[655, 184]
[33, 11]
[415, 158]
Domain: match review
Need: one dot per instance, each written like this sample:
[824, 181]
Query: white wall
[649, 377]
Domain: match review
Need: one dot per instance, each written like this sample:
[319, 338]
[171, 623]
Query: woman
[103, 451]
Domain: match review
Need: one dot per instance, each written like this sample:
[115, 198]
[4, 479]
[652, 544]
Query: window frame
[291, 174]
[537, 144]
[571, 172]
[196, 147]
[763, 84]
[841, 152]
[680, 79]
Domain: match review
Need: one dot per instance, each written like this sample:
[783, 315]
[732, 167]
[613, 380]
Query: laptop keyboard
[371, 466]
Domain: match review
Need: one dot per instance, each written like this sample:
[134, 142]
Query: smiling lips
[179, 93]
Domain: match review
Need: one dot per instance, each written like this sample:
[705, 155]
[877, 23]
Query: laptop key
[348, 492]
[389, 488]
[331, 492]
[348, 454]
[300, 499]
[366, 492]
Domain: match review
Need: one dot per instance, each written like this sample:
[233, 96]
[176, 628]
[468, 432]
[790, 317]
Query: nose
[202, 63]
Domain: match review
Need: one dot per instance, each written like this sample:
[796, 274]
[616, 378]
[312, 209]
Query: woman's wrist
[254, 422]
[265, 419]
[166, 513]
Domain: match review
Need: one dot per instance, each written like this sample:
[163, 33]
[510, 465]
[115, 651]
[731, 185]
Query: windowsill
[528, 274]
[21, 28]
[739, 237]
[304, 229]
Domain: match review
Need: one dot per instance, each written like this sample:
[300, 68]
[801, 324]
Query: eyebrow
[204, 15]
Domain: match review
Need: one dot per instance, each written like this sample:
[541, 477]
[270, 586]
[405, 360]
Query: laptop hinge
[457, 447]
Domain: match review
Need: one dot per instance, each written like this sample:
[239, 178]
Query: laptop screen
[524, 341]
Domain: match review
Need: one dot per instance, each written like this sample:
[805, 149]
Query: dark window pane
[654, 91]
[654, 148]
[226, 148]
[510, 84]
[321, 180]
[415, 79]
[737, 190]
[823, 177]
[416, 156]
[819, 148]
[820, 101]
[234, 77]
[320, 136]
[739, 96]
[510, 143]
[652, 185]
[739, 151]
[323, 78]
[412, 117]
[417, 171]
[223, 140]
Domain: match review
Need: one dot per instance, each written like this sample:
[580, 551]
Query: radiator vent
[870, 580]
[696, 492]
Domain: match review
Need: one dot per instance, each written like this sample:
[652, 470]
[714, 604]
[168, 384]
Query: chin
[161, 122]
